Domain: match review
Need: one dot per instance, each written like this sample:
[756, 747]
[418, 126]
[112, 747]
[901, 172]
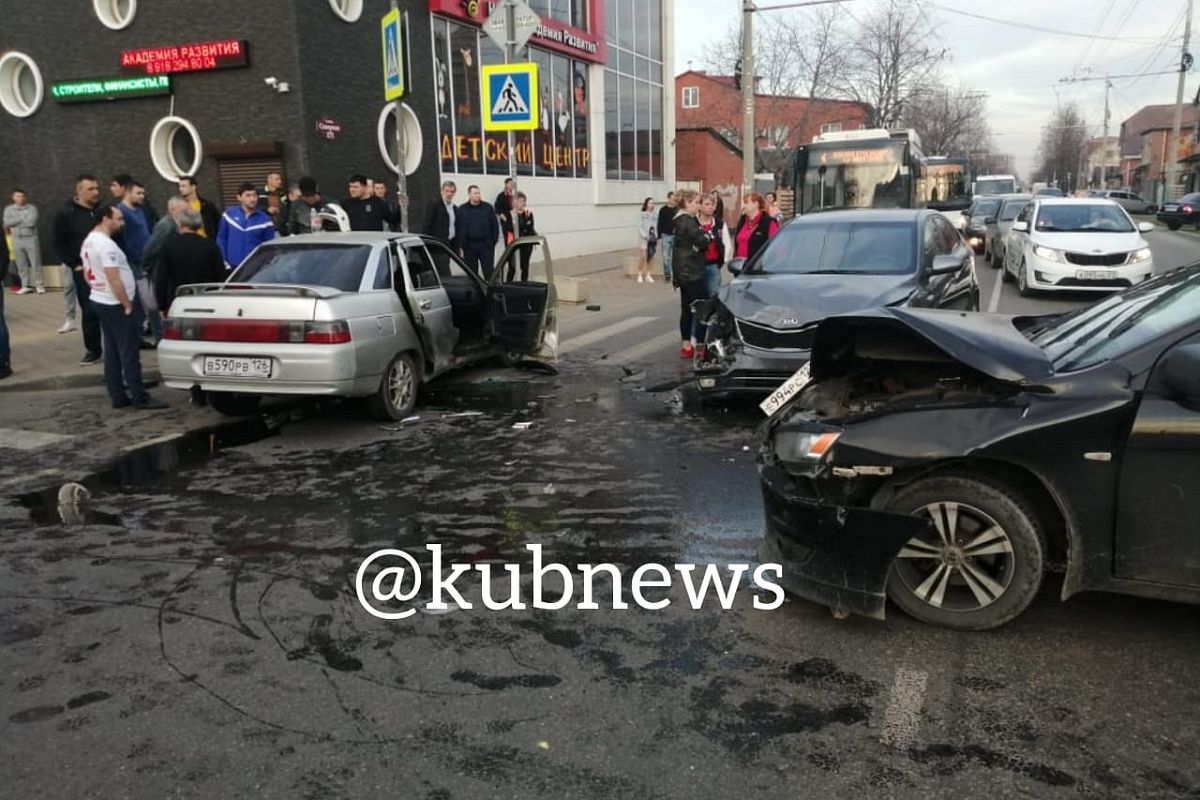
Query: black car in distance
[947, 460]
[758, 331]
[1184, 211]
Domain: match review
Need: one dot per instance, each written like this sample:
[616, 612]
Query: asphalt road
[195, 633]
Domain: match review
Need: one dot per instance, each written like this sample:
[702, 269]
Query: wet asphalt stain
[87, 699]
[500, 683]
[14, 632]
[947, 759]
[36, 714]
[322, 643]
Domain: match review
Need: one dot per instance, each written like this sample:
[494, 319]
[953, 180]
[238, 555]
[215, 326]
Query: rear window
[1011, 208]
[336, 266]
[877, 248]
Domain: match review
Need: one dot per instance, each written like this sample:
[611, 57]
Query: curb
[60, 382]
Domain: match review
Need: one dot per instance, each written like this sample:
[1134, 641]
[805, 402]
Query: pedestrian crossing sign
[393, 55]
[510, 97]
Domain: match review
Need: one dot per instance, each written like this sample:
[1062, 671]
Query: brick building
[708, 127]
[1145, 149]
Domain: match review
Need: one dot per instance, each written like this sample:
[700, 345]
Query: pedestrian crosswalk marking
[650, 347]
[599, 335]
[509, 101]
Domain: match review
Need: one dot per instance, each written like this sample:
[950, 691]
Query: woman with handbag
[648, 240]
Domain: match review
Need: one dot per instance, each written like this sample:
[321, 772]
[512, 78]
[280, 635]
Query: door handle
[425, 305]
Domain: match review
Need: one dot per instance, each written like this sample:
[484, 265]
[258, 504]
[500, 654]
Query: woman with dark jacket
[755, 227]
[687, 263]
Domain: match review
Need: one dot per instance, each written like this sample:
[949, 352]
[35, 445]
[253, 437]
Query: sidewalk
[43, 359]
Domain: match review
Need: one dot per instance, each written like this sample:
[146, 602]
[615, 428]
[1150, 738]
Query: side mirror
[966, 212]
[1145, 227]
[989, 220]
[737, 266]
[1020, 227]
[1181, 373]
[946, 265]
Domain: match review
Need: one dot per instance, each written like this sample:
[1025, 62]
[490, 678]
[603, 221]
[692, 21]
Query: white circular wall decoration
[21, 88]
[347, 10]
[115, 14]
[411, 131]
[175, 148]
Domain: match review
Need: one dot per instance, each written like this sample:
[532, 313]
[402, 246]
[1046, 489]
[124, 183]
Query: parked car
[946, 461]
[1184, 211]
[1076, 245]
[975, 221]
[1134, 204]
[998, 225]
[759, 329]
[370, 315]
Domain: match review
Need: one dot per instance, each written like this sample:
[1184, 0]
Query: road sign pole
[510, 55]
[401, 144]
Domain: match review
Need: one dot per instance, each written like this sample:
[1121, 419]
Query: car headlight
[800, 446]
[1049, 255]
[1140, 255]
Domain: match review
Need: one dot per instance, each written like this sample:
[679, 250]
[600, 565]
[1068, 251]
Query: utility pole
[401, 148]
[748, 87]
[1185, 63]
[1104, 138]
[510, 55]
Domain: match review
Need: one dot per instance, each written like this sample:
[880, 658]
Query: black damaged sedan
[759, 329]
[946, 460]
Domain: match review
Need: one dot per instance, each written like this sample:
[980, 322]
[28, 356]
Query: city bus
[948, 183]
[871, 168]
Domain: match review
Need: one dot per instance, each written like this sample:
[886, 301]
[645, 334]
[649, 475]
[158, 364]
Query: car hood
[988, 343]
[793, 301]
[1091, 243]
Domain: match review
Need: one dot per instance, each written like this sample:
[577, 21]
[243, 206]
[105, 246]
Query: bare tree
[1062, 154]
[892, 57]
[949, 122]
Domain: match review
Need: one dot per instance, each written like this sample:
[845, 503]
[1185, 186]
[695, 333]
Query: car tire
[396, 396]
[997, 261]
[1174, 225]
[1023, 281]
[233, 404]
[1003, 579]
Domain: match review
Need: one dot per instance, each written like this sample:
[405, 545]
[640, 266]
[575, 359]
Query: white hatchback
[1076, 245]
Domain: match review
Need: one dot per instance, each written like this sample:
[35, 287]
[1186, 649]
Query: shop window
[691, 97]
[347, 10]
[21, 88]
[115, 14]
[175, 148]
[410, 130]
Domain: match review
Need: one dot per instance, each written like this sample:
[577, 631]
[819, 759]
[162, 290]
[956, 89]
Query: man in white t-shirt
[113, 293]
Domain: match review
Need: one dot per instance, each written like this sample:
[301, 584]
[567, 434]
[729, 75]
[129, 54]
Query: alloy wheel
[966, 564]
[401, 384]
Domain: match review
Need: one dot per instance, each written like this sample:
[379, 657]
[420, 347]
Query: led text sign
[86, 90]
[186, 57]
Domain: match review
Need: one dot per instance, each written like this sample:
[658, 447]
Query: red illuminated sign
[587, 45]
[186, 57]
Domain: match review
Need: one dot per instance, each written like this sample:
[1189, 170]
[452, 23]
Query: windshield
[876, 248]
[985, 208]
[1089, 218]
[998, 186]
[337, 266]
[1010, 209]
[850, 176]
[1121, 323]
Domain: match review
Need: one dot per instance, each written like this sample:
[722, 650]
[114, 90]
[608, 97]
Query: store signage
[873, 156]
[90, 90]
[550, 34]
[187, 57]
[329, 128]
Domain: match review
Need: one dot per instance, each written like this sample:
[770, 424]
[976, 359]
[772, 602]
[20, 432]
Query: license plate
[1094, 274]
[228, 367]
[790, 388]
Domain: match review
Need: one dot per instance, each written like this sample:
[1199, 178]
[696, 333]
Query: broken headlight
[799, 447]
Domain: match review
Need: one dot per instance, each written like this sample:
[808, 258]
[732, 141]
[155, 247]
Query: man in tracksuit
[21, 219]
[73, 224]
[477, 230]
[243, 228]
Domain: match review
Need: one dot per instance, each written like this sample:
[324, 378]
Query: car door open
[522, 317]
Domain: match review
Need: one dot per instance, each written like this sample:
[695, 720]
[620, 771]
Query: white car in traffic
[1076, 245]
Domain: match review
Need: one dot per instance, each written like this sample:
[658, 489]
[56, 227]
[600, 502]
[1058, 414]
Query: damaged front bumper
[728, 364]
[836, 555]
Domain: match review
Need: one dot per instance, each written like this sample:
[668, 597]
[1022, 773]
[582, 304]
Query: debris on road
[522, 426]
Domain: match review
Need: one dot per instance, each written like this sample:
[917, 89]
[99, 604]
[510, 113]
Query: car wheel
[1174, 225]
[232, 404]
[997, 260]
[1023, 281]
[397, 394]
[981, 562]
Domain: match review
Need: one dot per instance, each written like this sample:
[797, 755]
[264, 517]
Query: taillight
[1186, 209]
[257, 331]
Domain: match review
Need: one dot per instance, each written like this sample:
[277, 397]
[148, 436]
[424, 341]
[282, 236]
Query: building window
[347, 10]
[691, 97]
[831, 127]
[568, 12]
[410, 129]
[558, 148]
[175, 148]
[21, 88]
[633, 89]
[115, 14]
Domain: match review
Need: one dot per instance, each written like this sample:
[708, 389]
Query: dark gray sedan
[758, 331]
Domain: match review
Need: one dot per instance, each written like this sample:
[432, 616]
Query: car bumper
[296, 369]
[838, 556]
[750, 371]
[1050, 276]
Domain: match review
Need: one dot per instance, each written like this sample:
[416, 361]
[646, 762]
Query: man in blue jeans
[5, 353]
[666, 233]
[113, 292]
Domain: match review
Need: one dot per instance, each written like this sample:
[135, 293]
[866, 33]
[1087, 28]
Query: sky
[1020, 69]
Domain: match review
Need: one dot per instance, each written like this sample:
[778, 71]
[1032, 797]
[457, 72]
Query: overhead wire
[1039, 28]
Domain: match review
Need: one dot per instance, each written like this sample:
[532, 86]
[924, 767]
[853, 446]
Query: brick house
[1145, 148]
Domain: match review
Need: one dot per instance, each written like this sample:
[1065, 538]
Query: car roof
[864, 215]
[344, 237]
[1077, 201]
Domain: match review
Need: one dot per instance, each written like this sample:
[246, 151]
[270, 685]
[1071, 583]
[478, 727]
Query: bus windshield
[947, 184]
[854, 175]
[996, 186]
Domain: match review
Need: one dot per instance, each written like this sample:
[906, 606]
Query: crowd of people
[696, 243]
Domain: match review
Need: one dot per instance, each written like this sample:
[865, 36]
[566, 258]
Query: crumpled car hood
[793, 301]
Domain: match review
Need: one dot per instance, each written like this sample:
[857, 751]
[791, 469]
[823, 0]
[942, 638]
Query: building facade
[1146, 148]
[227, 91]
